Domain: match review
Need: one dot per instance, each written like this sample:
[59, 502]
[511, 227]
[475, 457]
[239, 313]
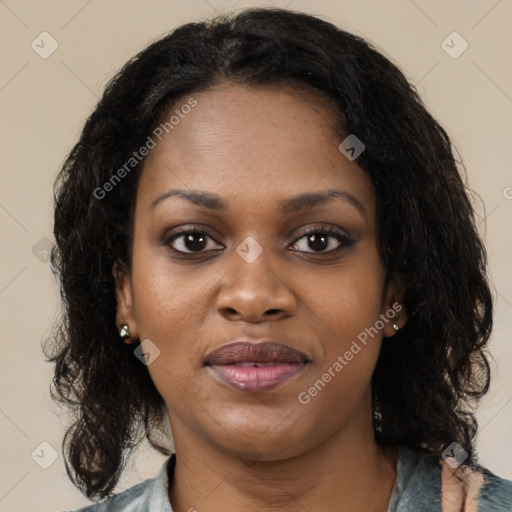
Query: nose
[255, 292]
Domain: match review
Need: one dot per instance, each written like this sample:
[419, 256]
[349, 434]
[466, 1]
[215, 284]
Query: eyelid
[170, 237]
[199, 228]
[325, 228]
[343, 238]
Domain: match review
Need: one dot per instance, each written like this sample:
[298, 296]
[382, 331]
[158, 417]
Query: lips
[264, 352]
[255, 367]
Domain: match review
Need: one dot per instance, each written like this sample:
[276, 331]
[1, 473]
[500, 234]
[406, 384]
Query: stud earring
[395, 325]
[124, 332]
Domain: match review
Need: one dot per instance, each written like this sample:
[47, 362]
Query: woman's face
[264, 166]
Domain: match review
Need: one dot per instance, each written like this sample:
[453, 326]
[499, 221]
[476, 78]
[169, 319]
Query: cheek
[347, 306]
[348, 298]
[166, 301]
[167, 312]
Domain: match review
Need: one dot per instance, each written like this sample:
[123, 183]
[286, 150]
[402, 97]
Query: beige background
[44, 103]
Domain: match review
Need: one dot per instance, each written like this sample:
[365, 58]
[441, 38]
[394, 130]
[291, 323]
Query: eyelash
[343, 240]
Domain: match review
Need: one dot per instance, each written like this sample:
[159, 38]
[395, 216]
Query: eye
[323, 240]
[190, 240]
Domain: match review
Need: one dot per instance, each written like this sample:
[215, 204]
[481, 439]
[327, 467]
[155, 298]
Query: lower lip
[254, 378]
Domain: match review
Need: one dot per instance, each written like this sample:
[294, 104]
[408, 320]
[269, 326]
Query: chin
[265, 444]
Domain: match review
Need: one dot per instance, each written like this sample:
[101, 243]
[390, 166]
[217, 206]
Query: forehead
[249, 142]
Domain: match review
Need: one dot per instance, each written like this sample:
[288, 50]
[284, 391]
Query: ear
[393, 311]
[124, 301]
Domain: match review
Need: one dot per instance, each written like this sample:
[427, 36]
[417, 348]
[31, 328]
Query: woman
[262, 237]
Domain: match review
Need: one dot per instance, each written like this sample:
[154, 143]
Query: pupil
[313, 240]
[191, 245]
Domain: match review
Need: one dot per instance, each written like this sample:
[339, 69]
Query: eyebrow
[289, 205]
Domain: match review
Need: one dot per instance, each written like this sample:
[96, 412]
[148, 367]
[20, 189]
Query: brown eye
[322, 240]
[192, 241]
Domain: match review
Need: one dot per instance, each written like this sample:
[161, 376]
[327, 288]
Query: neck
[333, 476]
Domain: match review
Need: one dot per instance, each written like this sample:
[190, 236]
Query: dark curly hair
[428, 378]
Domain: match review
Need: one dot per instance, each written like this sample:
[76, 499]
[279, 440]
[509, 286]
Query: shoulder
[148, 496]
[431, 483]
[477, 487]
[495, 494]
[126, 501]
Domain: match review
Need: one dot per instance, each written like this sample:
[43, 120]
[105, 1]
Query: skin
[254, 147]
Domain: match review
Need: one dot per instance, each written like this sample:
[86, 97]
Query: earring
[395, 325]
[124, 332]
[377, 418]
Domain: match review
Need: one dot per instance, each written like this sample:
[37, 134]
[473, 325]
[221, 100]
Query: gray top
[417, 488]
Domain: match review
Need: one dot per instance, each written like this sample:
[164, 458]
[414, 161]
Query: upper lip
[261, 352]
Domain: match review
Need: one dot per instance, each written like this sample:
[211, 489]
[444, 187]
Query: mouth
[255, 367]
